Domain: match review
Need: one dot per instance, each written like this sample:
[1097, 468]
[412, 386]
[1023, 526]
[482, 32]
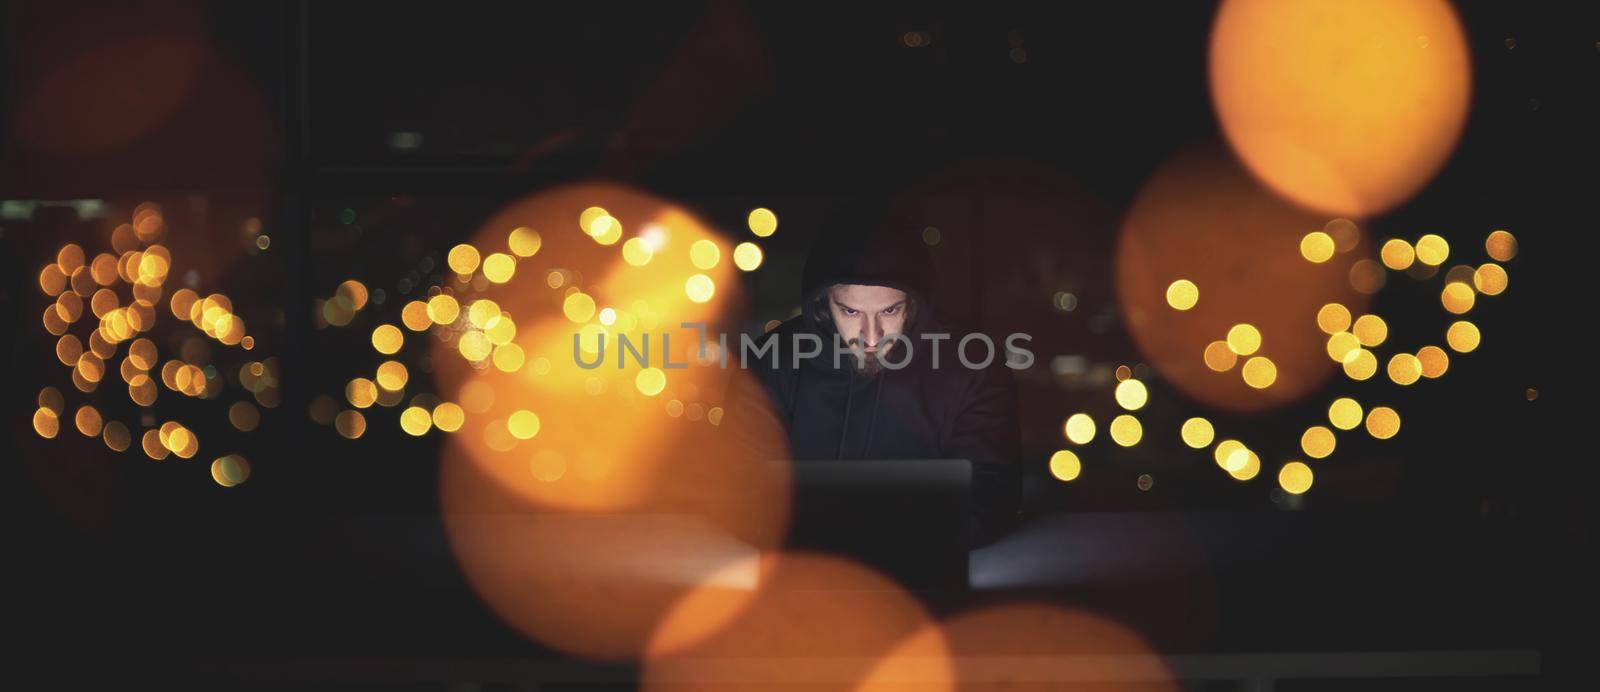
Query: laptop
[907, 518]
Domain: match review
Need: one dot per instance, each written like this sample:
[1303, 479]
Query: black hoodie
[916, 411]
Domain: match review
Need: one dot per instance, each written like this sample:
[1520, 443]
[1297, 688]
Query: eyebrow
[847, 307]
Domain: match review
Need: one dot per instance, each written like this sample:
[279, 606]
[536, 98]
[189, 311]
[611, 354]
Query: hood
[873, 248]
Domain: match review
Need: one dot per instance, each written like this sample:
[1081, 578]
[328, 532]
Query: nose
[871, 333]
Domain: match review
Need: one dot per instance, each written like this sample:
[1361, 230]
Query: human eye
[847, 311]
[892, 310]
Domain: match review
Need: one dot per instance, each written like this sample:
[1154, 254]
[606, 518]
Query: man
[888, 383]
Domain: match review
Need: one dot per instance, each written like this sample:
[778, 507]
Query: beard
[865, 364]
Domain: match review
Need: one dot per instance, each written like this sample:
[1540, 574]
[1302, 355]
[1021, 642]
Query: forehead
[866, 297]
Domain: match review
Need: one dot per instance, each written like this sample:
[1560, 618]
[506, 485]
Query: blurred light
[747, 256]
[650, 381]
[608, 316]
[1197, 432]
[1463, 336]
[68, 349]
[1260, 372]
[606, 230]
[578, 307]
[244, 416]
[1220, 357]
[386, 338]
[1344, 232]
[1532, 394]
[416, 421]
[499, 267]
[636, 252]
[508, 357]
[353, 294]
[1457, 297]
[1370, 330]
[1230, 455]
[151, 443]
[931, 235]
[589, 216]
[1248, 468]
[52, 280]
[415, 316]
[1131, 394]
[1079, 428]
[1126, 430]
[1182, 294]
[1317, 442]
[350, 424]
[547, 466]
[524, 241]
[1432, 250]
[1367, 276]
[46, 423]
[1295, 478]
[1244, 339]
[1317, 247]
[1397, 254]
[1343, 347]
[1145, 481]
[1345, 413]
[448, 416]
[361, 392]
[1123, 372]
[699, 288]
[1434, 361]
[1404, 369]
[1065, 466]
[116, 436]
[1333, 318]
[1362, 366]
[523, 424]
[443, 309]
[229, 471]
[50, 398]
[1383, 422]
[463, 259]
[704, 254]
[1501, 246]
[1490, 279]
[762, 222]
[481, 312]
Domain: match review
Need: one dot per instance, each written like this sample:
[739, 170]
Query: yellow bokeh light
[415, 316]
[1248, 468]
[88, 421]
[1244, 339]
[1404, 369]
[606, 230]
[637, 252]
[474, 346]
[650, 381]
[350, 424]
[1065, 466]
[523, 424]
[1397, 254]
[1260, 372]
[588, 217]
[1126, 430]
[443, 309]
[448, 416]
[1367, 276]
[1220, 357]
[508, 358]
[1383, 422]
[1361, 366]
[524, 241]
[704, 254]
[1463, 336]
[747, 256]
[700, 288]
[1501, 246]
[361, 392]
[244, 416]
[1352, 127]
[1197, 432]
[1432, 250]
[1370, 330]
[1230, 455]
[1434, 361]
[1317, 442]
[1490, 279]
[463, 259]
[1333, 318]
[392, 375]
[1317, 247]
[1079, 428]
[499, 267]
[578, 307]
[230, 470]
[481, 312]
[387, 339]
[116, 436]
[1345, 413]
[762, 221]
[1458, 298]
[1182, 294]
[151, 443]
[415, 420]
[1131, 394]
[1295, 477]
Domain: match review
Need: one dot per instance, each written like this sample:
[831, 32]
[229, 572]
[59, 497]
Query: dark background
[370, 137]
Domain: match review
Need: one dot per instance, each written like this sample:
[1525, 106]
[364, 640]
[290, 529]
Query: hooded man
[887, 381]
